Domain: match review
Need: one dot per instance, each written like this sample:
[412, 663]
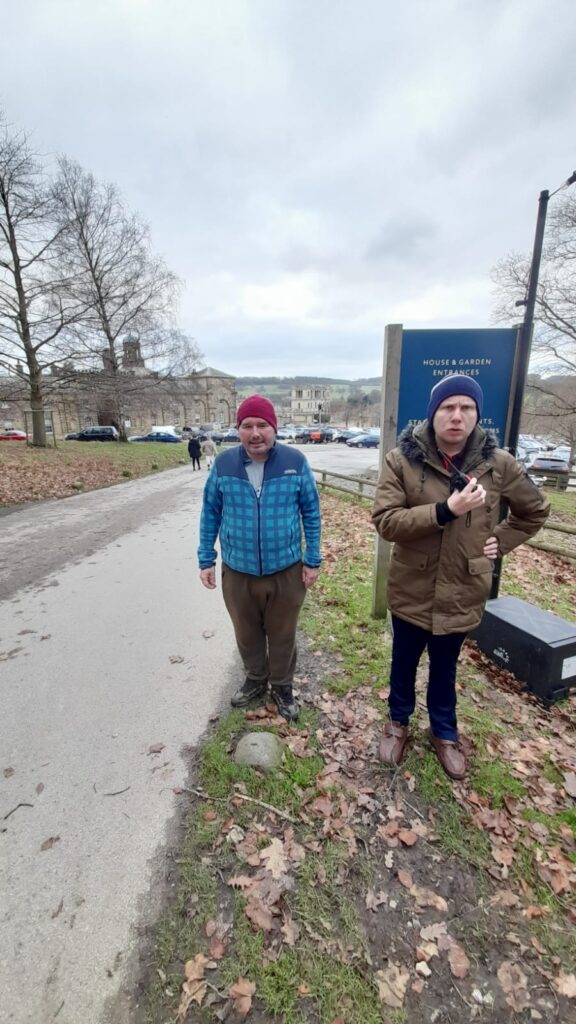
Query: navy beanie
[455, 384]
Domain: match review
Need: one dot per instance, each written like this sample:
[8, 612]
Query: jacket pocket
[477, 566]
[413, 559]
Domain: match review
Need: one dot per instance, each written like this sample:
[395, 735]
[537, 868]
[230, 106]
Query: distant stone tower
[132, 361]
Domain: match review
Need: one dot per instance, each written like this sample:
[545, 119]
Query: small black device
[458, 479]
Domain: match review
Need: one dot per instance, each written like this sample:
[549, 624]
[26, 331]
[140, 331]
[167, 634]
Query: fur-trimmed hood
[417, 444]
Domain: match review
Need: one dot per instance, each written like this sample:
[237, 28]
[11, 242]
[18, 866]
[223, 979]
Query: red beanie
[259, 407]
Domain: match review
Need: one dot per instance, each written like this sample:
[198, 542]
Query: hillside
[278, 388]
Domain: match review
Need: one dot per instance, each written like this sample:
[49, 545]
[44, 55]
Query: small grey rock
[259, 750]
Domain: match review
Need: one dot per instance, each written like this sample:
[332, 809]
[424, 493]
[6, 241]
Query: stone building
[310, 404]
[76, 398]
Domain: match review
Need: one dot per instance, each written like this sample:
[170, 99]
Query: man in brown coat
[438, 501]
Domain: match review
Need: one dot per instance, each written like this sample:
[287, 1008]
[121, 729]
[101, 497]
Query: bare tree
[127, 292]
[554, 344]
[36, 308]
[550, 409]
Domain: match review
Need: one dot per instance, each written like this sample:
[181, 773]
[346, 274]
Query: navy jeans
[408, 646]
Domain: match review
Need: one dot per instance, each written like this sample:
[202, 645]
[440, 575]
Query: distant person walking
[209, 451]
[194, 452]
[438, 501]
[257, 499]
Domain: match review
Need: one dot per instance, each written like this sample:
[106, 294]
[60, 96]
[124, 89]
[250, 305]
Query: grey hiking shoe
[285, 702]
[250, 690]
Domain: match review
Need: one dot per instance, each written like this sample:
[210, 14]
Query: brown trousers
[264, 612]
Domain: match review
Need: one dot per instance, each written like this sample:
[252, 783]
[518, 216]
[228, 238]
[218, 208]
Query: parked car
[226, 437]
[72, 436]
[287, 436]
[157, 435]
[561, 452]
[546, 466]
[99, 434]
[526, 454]
[364, 441]
[13, 435]
[345, 435]
[314, 435]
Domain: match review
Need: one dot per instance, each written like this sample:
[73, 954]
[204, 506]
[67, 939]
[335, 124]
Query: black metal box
[539, 648]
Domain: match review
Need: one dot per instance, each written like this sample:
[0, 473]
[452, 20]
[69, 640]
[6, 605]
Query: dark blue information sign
[486, 355]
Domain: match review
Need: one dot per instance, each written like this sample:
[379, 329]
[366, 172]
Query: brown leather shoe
[450, 755]
[392, 743]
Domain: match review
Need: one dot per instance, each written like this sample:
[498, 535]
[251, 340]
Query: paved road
[108, 645]
[101, 591]
[340, 458]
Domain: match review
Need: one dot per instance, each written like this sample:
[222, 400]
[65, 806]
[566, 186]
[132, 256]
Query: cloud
[312, 171]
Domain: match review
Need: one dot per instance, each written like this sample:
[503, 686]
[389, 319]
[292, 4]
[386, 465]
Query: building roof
[209, 371]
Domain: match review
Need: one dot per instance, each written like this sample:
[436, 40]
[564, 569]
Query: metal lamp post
[525, 343]
[530, 304]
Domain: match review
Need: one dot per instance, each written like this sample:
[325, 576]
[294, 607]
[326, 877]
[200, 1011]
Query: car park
[13, 435]
[226, 437]
[107, 433]
[157, 435]
[364, 441]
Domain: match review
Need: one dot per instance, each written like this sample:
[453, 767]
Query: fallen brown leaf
[290, 931]
[241, 992]
[514, 985]
[217, 948]
[565, 985]
[506, 898]
[49, 843]
[405, 878]
[503, 855]
[194, 969]
[241, 882]
[322, 805]
[407, 837]
[432, 932]
[392, 983]
[459, 962]
[194, 988]
[155, 748]
[374, 900]
[274, 858]
[259, 914]
[427, 898]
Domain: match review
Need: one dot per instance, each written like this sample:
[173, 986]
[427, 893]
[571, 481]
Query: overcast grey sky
[312, 169]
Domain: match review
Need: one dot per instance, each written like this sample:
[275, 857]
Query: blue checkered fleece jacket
[261, 535]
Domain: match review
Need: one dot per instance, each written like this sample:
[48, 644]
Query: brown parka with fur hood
[439, 578]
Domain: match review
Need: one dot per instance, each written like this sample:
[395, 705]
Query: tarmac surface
[109, 646]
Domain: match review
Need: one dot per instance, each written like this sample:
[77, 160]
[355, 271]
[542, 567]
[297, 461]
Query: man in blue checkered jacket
[257, 498]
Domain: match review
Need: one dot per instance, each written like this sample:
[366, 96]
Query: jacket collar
[417, 444]
[245, 458]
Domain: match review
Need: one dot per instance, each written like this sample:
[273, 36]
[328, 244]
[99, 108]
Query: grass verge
[497, 851]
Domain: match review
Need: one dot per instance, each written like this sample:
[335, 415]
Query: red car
[12, 435]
